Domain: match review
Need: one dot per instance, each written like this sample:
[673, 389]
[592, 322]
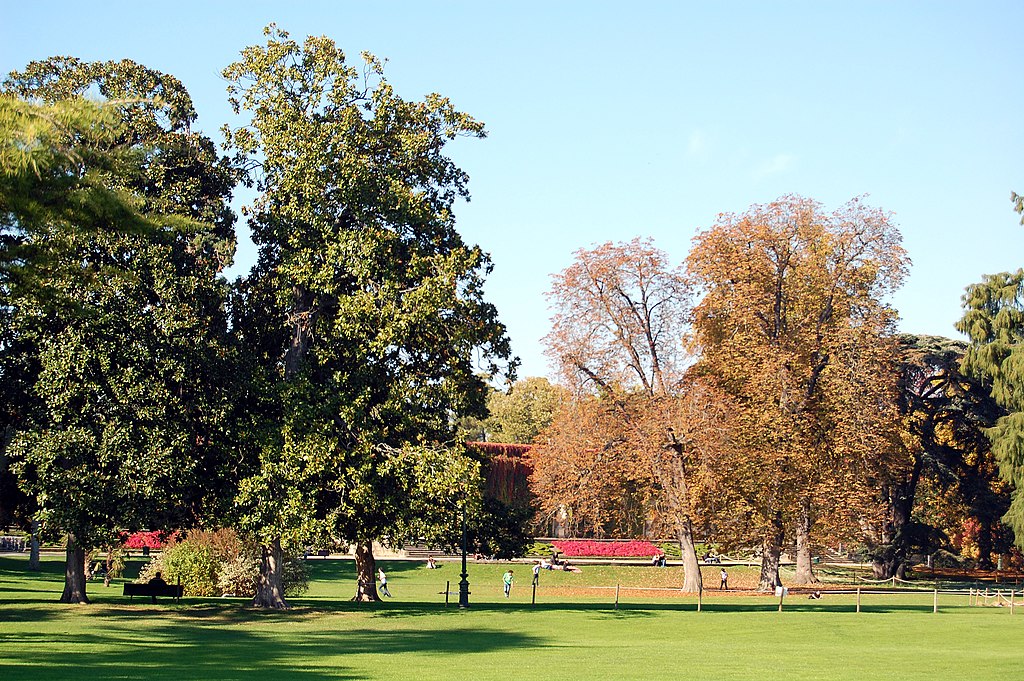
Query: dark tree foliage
[117, 304]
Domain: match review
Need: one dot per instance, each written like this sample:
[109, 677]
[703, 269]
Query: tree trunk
[804, 566]
[33, 542]
[771, 547]
[366, 573]
[985, 544]
[270, 585]
[693, 581]
[888, 559]
[74, 573]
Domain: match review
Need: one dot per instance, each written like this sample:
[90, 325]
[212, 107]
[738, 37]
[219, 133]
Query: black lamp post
[464, 583]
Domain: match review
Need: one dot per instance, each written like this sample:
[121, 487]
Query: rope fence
[1009, 598]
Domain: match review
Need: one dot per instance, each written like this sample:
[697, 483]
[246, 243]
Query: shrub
[215, 563]
[144, 540]
[671, 549]
[191, 563]
[539, 548]
[238, 577]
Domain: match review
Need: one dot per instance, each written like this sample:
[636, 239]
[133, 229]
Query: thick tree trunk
[33, 542]
[889, 558]
[693, 581]
[74, 574]
[771, 551]
[270, 584]
[366, 573]
[804, 565]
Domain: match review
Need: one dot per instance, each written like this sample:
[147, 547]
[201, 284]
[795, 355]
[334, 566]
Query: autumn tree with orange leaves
[794, 328]
[625, 450]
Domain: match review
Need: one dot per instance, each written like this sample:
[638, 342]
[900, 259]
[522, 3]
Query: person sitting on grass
[431, 565]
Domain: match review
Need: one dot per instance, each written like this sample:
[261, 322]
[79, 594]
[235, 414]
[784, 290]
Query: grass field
[573, 632]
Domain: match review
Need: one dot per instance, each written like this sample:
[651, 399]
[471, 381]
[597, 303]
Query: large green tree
[994, 323]
[365, 307]
[115, 250]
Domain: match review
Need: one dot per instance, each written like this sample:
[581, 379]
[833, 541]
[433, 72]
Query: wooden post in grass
[447, 588]
[935, 601]
[1013, 592]
[533, 599]
[858, 599]
[700, 597]
[616, 596]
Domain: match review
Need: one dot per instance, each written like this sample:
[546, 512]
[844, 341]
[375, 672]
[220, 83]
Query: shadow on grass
[184, 645]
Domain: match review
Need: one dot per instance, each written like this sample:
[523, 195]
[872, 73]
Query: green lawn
[573, 632]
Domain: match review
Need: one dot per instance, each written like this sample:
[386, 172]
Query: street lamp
[464, 584]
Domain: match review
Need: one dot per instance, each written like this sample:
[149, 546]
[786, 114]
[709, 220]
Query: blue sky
[612, 120]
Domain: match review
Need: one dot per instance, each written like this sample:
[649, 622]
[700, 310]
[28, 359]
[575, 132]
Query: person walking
[725, 580]
[507, 579]
[383, 583]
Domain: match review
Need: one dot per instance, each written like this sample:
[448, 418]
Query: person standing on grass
[507, 579]
[383, 583]
[536, 573]
[725, 580]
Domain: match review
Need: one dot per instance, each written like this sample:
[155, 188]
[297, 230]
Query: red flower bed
[620, 549]
[142, 540]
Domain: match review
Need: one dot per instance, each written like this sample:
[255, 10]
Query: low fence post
[700, 597]
[858, 599]
[616, 596]
[935, 601]
[447, 588]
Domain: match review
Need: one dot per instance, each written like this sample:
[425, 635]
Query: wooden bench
[174, 591]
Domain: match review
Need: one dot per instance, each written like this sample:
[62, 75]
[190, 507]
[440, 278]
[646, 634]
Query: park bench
[174, 591]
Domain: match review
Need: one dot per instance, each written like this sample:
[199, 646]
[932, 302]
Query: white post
[858, 599]
[616, 596]
[935, 602]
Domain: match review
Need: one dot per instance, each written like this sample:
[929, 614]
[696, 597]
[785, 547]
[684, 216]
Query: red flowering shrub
[620, 549]
[142, 540]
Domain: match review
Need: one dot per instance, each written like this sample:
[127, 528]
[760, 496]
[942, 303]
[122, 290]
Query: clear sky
[609, 120]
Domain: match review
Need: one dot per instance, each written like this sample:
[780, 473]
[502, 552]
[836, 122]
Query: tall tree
[793, 326]
[994, 323]
[117, 302]
[944, 415]
[618, 329]
[366, 306]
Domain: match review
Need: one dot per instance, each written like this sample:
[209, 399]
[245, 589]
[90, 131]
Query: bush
[144, 540]
[219, 563]
[189, 562]
[670, 549]
[539, 548]
[238, 577]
